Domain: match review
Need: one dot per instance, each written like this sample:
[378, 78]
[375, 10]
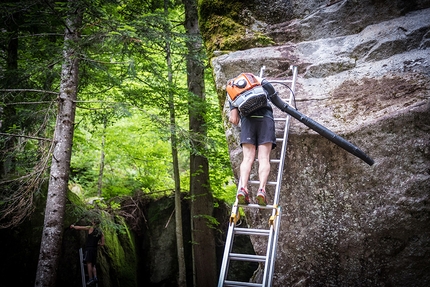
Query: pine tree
[63, 137]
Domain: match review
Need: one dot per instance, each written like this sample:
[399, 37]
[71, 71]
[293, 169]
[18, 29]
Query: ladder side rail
[225, 259]
[284, 144]
[228, 243]
[280, 172]
[271, 249]
[281, 163]
[283, 150]
[285, 141]
[291, 101]
[269, 255]
[81, 261]
[262, 71]
[273, 239]
[293, 87]
[274, 249]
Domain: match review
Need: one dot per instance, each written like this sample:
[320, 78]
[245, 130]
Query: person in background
[95, 238]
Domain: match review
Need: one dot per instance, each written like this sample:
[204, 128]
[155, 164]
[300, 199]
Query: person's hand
[234, 117]
[72, 226]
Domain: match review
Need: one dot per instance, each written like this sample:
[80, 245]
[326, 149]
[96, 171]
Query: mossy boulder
[228, 26]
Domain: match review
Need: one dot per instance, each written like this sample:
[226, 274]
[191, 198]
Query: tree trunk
[203, 238]
[63, 137]
[102, 159]
[182, 282]
[7, 112]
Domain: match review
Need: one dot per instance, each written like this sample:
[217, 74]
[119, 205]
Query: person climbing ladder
[95, 238]
[248, 98]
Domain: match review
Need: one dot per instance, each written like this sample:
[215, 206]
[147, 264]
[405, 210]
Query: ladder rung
[258, 206]
[279, 139]
[274, 160]
[258, 182]
[247, 257]
[281, 81]
[228, 283]
[251, 231]
[280, 119]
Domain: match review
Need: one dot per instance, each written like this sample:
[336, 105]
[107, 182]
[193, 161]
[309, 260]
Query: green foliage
[220, 172]
[136, 158]
[122, 107]
[31, 59]
[211, 221]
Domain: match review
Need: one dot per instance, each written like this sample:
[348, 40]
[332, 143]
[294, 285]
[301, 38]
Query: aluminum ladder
[84, 275]
[272, 232]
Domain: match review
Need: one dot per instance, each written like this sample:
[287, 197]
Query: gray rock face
[366, 78]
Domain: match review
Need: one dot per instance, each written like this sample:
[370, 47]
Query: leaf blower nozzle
[328, 134]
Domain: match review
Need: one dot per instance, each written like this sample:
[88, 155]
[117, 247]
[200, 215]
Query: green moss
[74, 199]
[223, 29]
[120, 254]
[263, 40]
[219, 7]
[223, 33]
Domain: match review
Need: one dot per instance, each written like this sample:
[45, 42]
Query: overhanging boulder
[345, 223]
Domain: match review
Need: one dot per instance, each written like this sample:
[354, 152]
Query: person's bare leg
[263, 171]
[90, 270]
[264, 163]
[94, 272]
[248, 151]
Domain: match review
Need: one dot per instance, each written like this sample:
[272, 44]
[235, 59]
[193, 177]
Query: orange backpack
[246, 93]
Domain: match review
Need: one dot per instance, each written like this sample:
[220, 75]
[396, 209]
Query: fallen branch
[28, 137]
[29, 90]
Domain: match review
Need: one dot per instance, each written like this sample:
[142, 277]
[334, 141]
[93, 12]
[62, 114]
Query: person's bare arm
[78, 227]
[102, 240]
[234, 117]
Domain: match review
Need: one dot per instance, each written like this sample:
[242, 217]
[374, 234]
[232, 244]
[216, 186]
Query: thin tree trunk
[102, 160]
[173, 138]
[203, 238]
[59, 175]
[8, 112]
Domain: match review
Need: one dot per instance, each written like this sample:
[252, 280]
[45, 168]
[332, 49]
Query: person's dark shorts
[258, 131]
[90, 255]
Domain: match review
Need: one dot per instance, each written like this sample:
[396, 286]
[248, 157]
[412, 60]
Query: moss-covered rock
[225, 26]
[118, 259]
